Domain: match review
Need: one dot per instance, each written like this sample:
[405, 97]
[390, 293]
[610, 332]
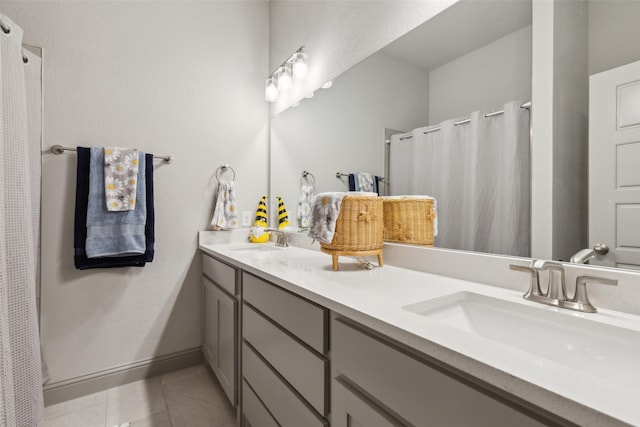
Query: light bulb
[271, 91]
[284, 77]
[327, 85]
[300, 65]
[309, 95]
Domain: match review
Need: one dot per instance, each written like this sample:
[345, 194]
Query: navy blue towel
[80, 227]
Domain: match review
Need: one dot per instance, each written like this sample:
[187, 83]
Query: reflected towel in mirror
[363, 181]
[304, 204]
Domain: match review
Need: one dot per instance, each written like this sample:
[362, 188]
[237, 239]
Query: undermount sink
[593, 347]
[257, 247]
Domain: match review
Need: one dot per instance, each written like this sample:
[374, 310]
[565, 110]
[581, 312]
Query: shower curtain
[21, 399]
[480, 175]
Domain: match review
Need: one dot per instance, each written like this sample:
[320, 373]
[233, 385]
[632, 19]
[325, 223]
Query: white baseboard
[61, 391]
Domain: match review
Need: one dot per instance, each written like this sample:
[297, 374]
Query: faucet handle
[282, 239]
[580, 298]
[557, 290]
[534, 281]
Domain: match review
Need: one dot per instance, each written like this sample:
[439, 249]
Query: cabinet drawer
[253, 411]
[221, 274]
[282, 402]
[303, 318]
[304, 370]
[353, 409]
[406, 386]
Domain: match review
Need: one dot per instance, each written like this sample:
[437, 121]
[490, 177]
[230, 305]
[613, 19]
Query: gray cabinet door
[220, 330]
[351, 409]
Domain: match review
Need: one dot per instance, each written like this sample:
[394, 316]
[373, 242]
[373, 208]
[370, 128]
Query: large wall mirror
[474, 56]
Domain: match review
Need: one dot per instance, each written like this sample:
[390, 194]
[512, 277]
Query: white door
[614, 165]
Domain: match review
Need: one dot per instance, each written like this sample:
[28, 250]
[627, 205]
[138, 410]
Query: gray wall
[341, 129]
[614, 34]
[181, 78]
[570, 135]
[339, 34]
[484, 79]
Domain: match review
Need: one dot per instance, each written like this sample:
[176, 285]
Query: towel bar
[222, 169]
[340, 175]
[59, 149]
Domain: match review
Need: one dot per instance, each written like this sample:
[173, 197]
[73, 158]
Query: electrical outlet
[246, 218]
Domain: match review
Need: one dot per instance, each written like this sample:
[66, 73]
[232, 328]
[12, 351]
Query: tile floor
[189, 397]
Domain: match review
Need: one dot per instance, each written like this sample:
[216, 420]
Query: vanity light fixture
[295, 68]
[284, 76]
[271, 91]
[300, 64]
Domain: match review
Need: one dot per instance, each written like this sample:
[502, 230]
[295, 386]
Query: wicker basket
[409, 220]
[359, 229]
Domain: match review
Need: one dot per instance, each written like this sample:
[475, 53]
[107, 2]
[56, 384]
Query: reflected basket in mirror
[409, 219]
[359, 229]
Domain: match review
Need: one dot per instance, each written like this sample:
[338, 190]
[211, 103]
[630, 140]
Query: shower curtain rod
[59, 149]
[526, 105]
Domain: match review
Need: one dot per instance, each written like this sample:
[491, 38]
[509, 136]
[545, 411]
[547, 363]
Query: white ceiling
[460, 29]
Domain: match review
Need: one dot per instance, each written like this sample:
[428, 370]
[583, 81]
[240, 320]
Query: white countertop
[375, 299]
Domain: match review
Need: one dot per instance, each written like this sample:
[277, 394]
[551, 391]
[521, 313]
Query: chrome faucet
[584, 255]
[556, 289]
[282, 239]
[534, 283]
[556, 294]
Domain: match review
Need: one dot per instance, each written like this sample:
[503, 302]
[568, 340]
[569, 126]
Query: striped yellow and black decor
[283, 218]
[261, 213]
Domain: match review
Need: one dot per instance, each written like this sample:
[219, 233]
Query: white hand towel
[225, 214]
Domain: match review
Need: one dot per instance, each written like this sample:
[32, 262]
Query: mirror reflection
[474, 58]
[419, 80]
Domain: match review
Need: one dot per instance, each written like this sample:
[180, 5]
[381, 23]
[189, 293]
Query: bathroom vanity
[386, 347]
